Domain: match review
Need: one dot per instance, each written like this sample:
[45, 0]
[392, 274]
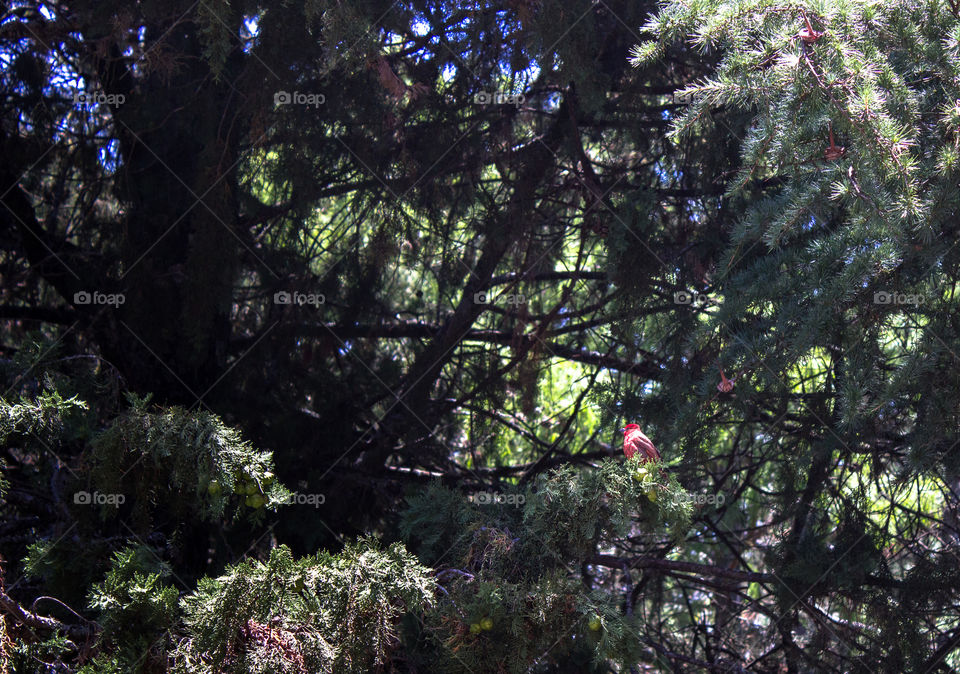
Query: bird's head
[630, 427]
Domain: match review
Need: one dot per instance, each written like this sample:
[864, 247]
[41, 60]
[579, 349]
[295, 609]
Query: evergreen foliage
[186, 463]
[29, 419]
[515, 590]
[332, 613]
[318, 321]
[134, 603]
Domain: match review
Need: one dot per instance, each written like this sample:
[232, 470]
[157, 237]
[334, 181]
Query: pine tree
[833, 300]
[418, 263]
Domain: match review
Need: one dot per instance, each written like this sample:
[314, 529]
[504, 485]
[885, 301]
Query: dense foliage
[319, 322]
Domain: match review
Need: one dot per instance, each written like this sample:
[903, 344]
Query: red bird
[725, 385]
[634, 440]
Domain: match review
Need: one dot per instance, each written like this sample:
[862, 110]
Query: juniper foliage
[326, 613]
